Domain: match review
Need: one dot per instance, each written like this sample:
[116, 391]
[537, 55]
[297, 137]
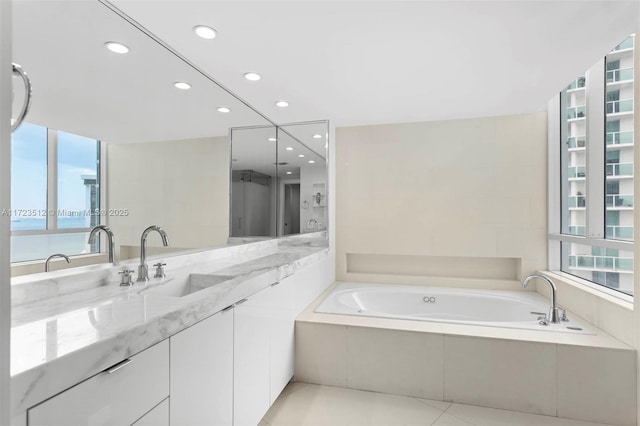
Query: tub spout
[554, 312]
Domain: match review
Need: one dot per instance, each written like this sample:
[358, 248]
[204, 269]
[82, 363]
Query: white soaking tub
[498, 308]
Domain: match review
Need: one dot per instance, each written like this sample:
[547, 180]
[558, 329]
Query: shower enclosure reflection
[279, 179]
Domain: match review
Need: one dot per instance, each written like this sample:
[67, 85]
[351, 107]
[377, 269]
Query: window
[592, 236]
[55, 193]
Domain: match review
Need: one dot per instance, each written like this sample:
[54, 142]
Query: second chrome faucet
[143, 269]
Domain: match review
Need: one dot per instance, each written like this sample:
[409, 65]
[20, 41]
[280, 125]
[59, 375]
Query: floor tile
[326, 405]
[481, 416]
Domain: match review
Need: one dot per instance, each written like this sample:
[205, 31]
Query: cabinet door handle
[227, 308]
[275, 284]
[118, 366]
[240, 302]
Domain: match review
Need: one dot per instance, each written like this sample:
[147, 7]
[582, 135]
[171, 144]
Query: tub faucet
[554, 312]
[46, 263]
[143, 269]
[111, 242]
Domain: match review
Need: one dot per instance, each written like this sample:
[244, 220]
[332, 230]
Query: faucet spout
[143, 269]
[111, 241]
[46, 263]
[554, 312]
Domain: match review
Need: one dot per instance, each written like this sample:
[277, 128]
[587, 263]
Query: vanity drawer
[119, 395]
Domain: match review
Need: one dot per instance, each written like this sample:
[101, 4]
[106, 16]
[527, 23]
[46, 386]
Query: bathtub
[497, 308]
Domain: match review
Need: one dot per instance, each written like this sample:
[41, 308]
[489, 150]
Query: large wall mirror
[279, 179]
[130, 140]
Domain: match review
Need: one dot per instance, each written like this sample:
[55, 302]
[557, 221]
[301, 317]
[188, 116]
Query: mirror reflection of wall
[284, 186]
[157, 152]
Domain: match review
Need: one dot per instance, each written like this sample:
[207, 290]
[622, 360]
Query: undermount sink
[175, 287]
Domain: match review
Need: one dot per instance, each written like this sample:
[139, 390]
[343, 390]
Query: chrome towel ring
[17, 69]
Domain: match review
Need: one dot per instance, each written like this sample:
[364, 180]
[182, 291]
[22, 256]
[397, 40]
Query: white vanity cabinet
[263, 350]
[158, 416]
[121, 395]
[202, 372]
[251, 365]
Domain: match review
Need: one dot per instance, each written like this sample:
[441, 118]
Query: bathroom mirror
[279, 179]
[124, 139]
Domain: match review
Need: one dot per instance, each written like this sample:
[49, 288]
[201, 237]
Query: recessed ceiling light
[301, 155]
[205, 32]
[252, 76]
[272, 139]
[311, 161]
[289, 148]
[224, 109]
[282, 104]
[316, 136]
[116, 47]
[289, 173]
[182, 85]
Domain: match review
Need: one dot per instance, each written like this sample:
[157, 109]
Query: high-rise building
[610, 267]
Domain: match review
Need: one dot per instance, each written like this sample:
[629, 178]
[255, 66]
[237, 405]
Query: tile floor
[306, 404]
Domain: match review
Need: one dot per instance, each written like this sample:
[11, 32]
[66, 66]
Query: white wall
[472, 191]
[181, 186]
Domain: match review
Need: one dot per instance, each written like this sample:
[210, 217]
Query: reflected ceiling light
[317, 136]
[301, 155]
[116, 47]
[252, 76]
[272, 139]
[289, 173]
[224, 109]
[282, 104]
[182, 85]
[289, 148]
[205, 32]
[311, 161]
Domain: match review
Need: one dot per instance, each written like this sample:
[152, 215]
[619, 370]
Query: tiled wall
[182, 186]
[473, 188]
[579, 382]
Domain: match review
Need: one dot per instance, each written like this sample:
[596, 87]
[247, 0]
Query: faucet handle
[159, 270]
[563, 314]
[127, 277]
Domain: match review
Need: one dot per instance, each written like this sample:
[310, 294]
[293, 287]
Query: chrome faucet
[554, 312]
[46, 263]
[143, 269]
[111, 241]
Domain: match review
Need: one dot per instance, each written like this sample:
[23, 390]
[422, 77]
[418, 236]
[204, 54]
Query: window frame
[595, 222]
[52, 197]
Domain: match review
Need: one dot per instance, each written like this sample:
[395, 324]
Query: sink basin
[176, 287]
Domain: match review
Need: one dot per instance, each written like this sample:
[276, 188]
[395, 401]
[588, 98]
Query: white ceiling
[369, 62]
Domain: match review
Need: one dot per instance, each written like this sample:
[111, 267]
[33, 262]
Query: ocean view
[33, 247]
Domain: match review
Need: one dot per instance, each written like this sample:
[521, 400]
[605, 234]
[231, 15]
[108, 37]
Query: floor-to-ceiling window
[55, 193]
[595, 157]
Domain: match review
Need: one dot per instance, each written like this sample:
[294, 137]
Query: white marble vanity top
[68, 326]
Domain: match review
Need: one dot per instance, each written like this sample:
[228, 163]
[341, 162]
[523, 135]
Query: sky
[77, 156]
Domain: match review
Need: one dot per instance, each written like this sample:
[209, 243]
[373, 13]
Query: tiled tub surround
[69, 325]
[579, 376]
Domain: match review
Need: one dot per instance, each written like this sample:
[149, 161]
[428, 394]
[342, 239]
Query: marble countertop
[60, 337]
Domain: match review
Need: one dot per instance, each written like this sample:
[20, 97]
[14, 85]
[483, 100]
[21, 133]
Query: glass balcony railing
[626, 44]
[576, 112]
[601, 262]
[576, 171]
[615, 107]
[619, 169]
[577, 142]
[614, 76]
[620, 138]
[578, 230]
[575, 201]
[620, 232]
[578, 83]
[619, 200]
